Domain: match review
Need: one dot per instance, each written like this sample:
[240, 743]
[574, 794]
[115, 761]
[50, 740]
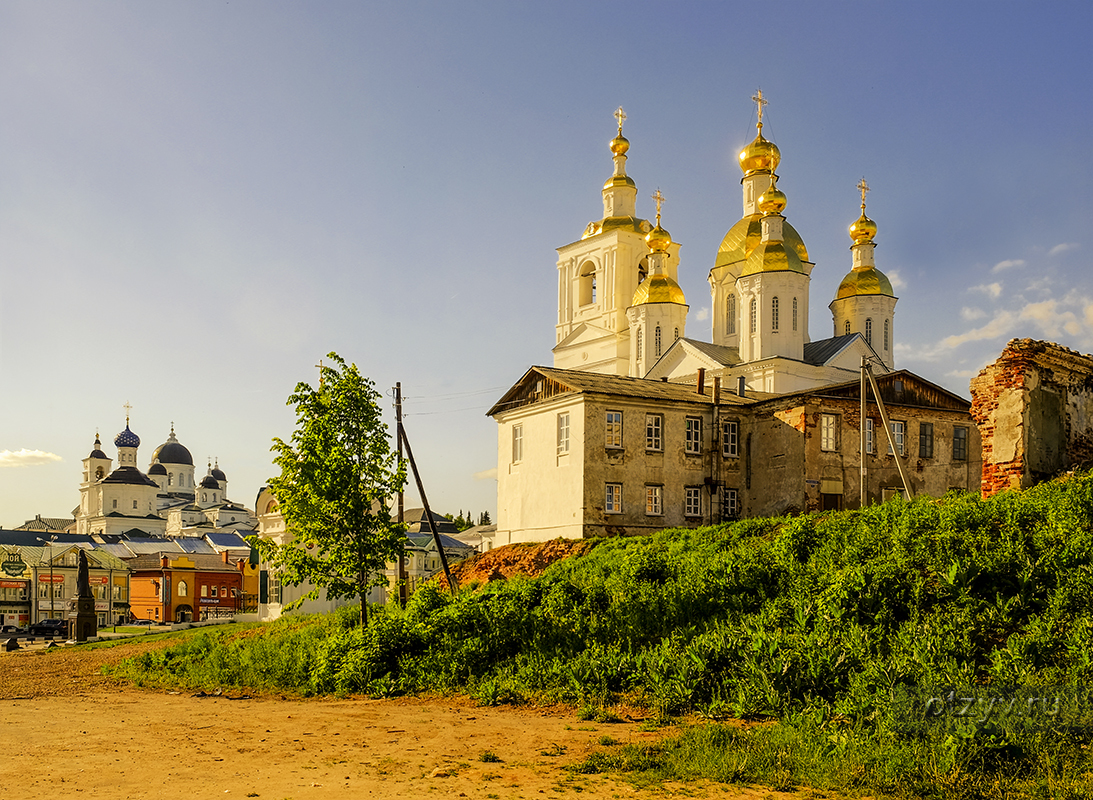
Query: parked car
[49, 627]
[11, 629]
[142, 622]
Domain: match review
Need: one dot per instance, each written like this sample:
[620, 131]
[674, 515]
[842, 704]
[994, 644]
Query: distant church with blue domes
[168, 500]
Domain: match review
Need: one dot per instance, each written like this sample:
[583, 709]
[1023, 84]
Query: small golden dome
[619, 145]
[659, 289]
[863, 230]
[869, 280]
[658, 239]
[619, 180]
[772, 201]
[760, 156]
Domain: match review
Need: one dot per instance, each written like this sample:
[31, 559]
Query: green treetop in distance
[338, 474]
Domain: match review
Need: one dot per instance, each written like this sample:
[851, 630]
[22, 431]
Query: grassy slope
[840, 626]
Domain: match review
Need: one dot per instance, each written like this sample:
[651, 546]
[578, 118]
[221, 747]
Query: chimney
[741, 386]
[224, 555]
[163, 562]
[701, 380]
[716, 391]
[664, 379]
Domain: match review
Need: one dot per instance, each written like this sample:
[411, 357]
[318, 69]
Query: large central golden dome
[743, 237]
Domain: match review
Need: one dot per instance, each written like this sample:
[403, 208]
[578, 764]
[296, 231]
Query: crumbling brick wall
[1034, 409]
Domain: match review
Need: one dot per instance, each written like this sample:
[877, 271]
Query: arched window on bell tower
[848, 326]
[656, 341]
[774, 314]
[869, 331]
[730, 314]
[587, 288]
[795, 314]
[754, 316]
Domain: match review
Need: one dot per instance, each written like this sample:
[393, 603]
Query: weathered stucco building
[1034, 408]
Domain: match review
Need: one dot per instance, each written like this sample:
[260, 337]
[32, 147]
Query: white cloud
[963, 373]
[896, 281]
[972, 313]
[999, 326]
[992, 290]
[703, 314]
[1061, 248]
[486, 475]
[27, 458]
[1008, 264]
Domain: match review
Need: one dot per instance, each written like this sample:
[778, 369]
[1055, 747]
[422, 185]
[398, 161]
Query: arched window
[754, 315]
[183, 590]
[656, 341]
[170, 478]
[587, 288]
[98, 474]
[848, 326]
[886, 335]
[794, 313]
[639, 342]
[204, 497]
[643, 271]
[677, 334]
[730, 314]
[869, 331]
[774, 313]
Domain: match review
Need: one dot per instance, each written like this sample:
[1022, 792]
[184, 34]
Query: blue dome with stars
[127, 438]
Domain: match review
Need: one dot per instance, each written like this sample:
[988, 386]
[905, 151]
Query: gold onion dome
[772, 201]
[760, 156]
[658, 239]
[868, 280]
[864, 229]
[659, 288]
[743, 237]
[620, 144]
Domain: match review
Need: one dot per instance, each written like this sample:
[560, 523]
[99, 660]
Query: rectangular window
[517, 443]
[960, 444]
[869, 435]
[694, 435]
[612, 502]
[614, 429]
[898, 429]
[730, 439]
[829, 433]
[563, 432]
[926, 440]
[693, 501]
[214, 591]
[729, 504]
[654, 500]
[654, 432]
[204, 590]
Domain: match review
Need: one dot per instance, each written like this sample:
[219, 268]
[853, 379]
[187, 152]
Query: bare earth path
[68, 732]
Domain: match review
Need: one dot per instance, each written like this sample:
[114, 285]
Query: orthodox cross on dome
[320, 366]
[620, 117]
[658, 198]
[863, 187]
[760, 101]
[127, 408]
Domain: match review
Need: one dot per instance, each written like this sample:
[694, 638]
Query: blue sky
[199, 200]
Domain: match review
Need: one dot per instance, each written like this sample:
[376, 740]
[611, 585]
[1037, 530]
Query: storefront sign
[51, 579]
[13, 564]
[13, 584]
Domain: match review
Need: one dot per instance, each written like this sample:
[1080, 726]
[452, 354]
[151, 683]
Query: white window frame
[730, 502]
[829, 433]
[899, 433]
[654, 501]
[869, 448]
[517, 443]
[730, 439]
[613, 430]
[693, 444]
[774, 314]
[612, 498]
[692, 501]
[654, 432]
[563, 433]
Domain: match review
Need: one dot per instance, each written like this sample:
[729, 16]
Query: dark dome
[173, 452]
[127, 438]
[97, 453]
[130, 475]
[218, 474]
[209, 482]
[157, 469]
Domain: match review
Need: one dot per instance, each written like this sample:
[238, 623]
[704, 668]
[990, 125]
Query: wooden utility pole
[403, 589]
[428, 512]
[888, 430]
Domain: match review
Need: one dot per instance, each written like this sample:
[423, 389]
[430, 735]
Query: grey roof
[25, 538]
[821, 351]
[202, 561]
[569, 380]
[723, 355]
[40, 523]
[141, 546]
[425, 540]
[119, 550]
[193, 544]
[228, 541]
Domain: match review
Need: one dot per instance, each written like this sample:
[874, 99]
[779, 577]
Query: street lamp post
[51, 541]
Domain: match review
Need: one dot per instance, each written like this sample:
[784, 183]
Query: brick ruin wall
[1034, 409]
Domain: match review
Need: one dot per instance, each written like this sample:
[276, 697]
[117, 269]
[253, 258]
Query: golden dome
[639, 226]
[760, 156]
[772, 257]
[659, 289]
[619, 180]
[863, 230]
[869, 280]
[658, 240]
[619, 145]
[747, 233]
[772, 201]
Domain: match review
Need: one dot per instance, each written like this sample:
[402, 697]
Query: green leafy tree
[338, 473]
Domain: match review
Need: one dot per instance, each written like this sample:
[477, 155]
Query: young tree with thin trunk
[338, 475]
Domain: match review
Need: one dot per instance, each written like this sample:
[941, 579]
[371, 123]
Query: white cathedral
[168, 500]
[621, 310]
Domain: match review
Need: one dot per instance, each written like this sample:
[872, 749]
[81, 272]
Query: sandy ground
[68, 732]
